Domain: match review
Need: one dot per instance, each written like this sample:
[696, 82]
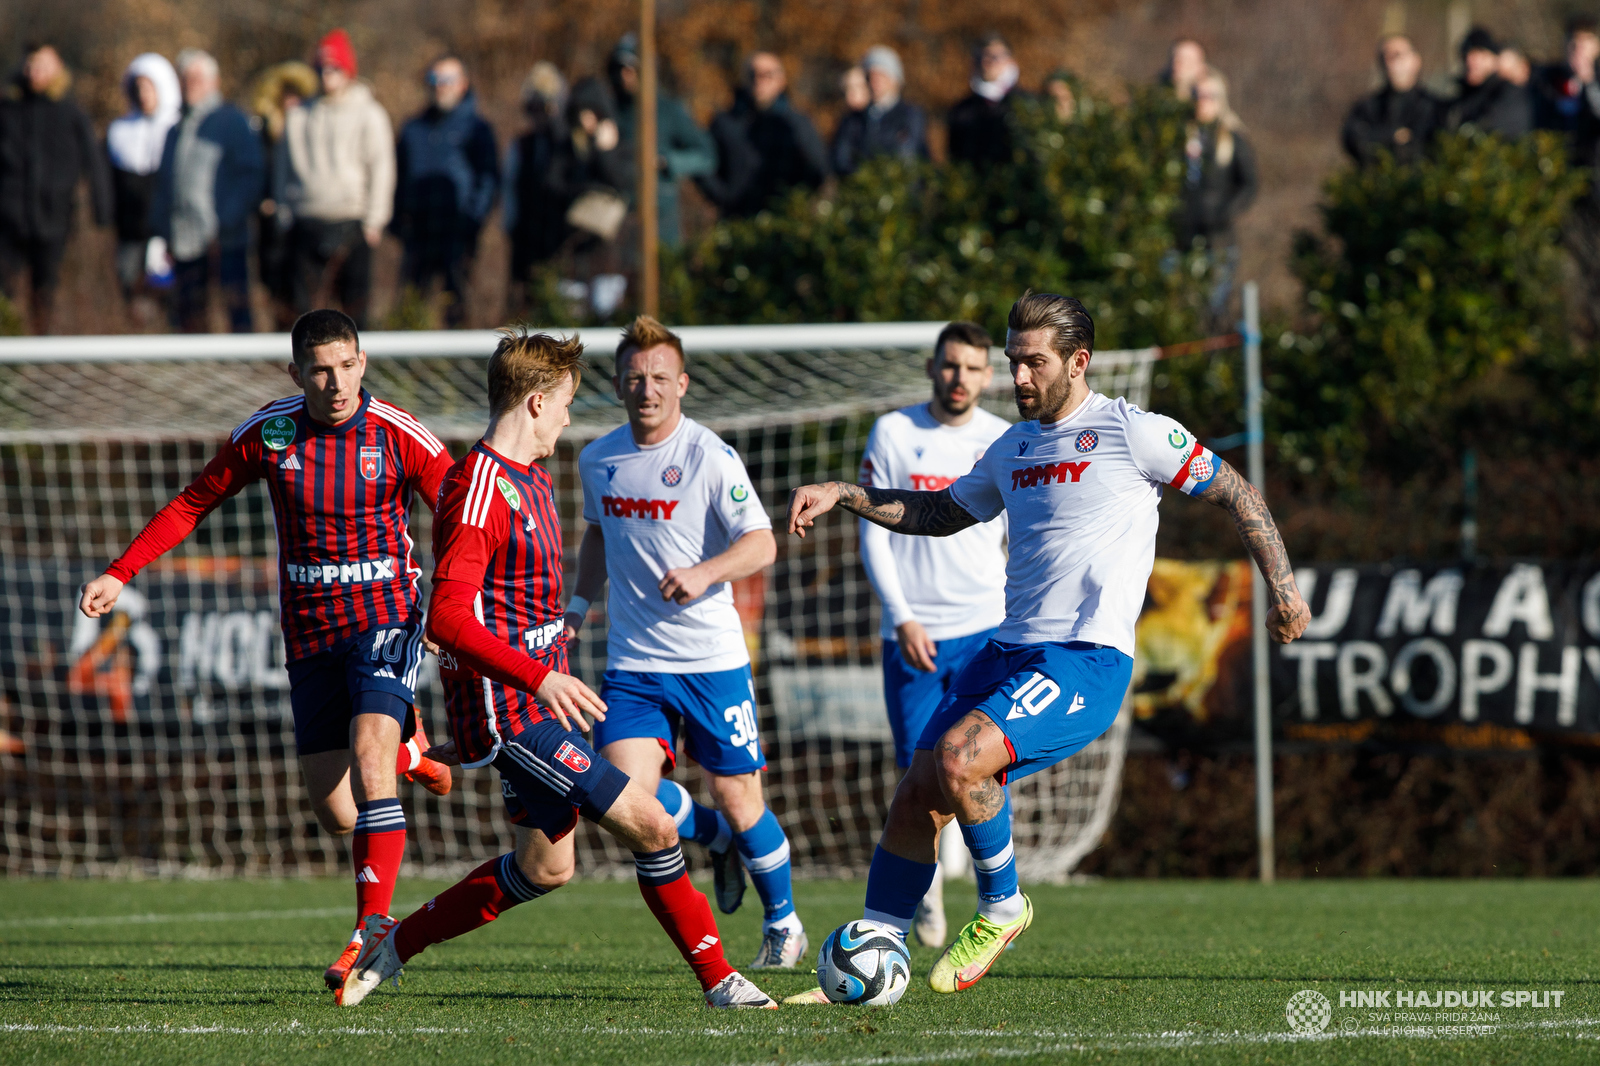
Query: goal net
[159, 741]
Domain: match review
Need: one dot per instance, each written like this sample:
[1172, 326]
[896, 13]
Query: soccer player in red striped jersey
[341, 467]
[496, 615]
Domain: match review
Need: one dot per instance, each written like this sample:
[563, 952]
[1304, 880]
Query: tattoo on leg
[989, 797]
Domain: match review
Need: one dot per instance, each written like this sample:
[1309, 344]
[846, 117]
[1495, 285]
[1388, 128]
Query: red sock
[475, 900]
[683, 912]
[408, 758]
[376, 850]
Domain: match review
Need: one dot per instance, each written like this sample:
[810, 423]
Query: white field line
[1045, 1042]
[553, 900]
[211, 916]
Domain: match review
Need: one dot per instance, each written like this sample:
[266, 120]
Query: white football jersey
[954, 586]
[1081, 495]
[661, 507]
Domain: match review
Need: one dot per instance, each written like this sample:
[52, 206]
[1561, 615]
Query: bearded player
[1079, 480]
[496, 616]
[341, 467]
[942, 598]
[672, 519]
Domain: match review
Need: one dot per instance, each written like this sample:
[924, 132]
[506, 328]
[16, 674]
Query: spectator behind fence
[212, 176]
[333, 180]
[1186, 65]
[134, 144]
[535, 205]
[1399, 118]
[447, 176]
[888, 126]
[1566, 95]
[279, 88]
[1219, 183]
[1062, 89]
[683, 149]
[764, 146]
[595, 176]
[1487, 102]
[980, 124]
[47, 146]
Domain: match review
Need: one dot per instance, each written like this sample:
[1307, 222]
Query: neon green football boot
[975, 949]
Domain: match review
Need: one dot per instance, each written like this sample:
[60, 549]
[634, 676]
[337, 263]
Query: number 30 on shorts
[745, 733]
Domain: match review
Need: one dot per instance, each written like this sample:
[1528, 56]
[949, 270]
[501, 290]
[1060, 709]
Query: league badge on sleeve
[509, 491]
[569, 756]
[372, 463]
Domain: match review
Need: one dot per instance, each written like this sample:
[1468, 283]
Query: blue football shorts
[912, 695]
[716, 711]
[1050, 700]
[549, 777]
[371, 672]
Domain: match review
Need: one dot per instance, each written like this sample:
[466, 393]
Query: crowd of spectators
[1498, 91]
[311, 175]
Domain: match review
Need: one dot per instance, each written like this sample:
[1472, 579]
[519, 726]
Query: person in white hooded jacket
[133, 148]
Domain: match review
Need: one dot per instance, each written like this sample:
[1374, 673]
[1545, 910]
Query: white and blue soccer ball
[864, 963]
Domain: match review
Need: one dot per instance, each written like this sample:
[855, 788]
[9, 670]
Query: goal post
[159, 742]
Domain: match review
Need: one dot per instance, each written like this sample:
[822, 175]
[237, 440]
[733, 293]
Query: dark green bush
[1434, 301]
[1084, 209]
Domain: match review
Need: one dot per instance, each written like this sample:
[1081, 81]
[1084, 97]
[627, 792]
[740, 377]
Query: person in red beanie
[334, 181]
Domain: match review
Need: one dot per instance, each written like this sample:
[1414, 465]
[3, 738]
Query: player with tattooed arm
[1079, 480]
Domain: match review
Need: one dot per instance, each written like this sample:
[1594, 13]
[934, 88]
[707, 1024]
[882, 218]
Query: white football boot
[376, 963]
[736, 991]
[781, 949]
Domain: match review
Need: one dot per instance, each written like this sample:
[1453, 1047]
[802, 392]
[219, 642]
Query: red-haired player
[497, 617]
[341, 467]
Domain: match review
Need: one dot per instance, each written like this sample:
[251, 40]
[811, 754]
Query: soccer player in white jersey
[672, 519]
[942, 598]
[1080, 480]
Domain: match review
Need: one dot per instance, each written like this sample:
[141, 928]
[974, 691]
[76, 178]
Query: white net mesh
[159, 742]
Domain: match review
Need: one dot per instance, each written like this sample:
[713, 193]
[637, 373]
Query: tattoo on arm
[928, 514]
[1256, 528]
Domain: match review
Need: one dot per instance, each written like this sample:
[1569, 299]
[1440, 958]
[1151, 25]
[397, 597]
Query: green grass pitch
[230, 972]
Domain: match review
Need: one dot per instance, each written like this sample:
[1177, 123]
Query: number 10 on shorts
[1037, 693]
[745, 733]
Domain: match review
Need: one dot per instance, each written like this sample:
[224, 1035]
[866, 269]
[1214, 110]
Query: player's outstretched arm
[926, 514]
[1288, 614]
[100, 596]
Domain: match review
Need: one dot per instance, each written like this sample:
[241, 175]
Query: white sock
[1002, 912]
[789, 923]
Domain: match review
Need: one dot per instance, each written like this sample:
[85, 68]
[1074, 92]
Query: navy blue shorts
[717, 711]
[372, 672]
[1050, 700]
[548, 777]
[913, 695]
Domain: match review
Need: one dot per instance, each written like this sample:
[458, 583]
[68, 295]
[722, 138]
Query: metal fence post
[1260, 647]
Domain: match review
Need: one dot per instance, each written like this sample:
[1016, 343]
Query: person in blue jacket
[211, 180]
[447, 177]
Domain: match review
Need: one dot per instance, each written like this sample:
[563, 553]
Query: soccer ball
[864, 963]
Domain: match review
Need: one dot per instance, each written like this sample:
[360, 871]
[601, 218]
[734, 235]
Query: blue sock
[696, 821]
[765, 852]
[894, 888]
[995, 864]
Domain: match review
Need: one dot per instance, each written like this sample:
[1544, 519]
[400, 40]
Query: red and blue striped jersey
[496, 528]
[341, 497]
